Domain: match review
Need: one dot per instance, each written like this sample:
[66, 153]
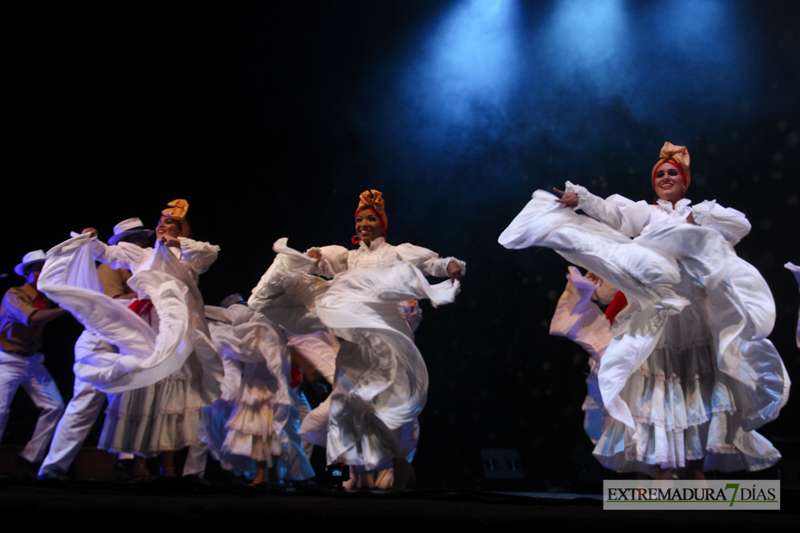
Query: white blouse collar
[374, 245]
[680, 205]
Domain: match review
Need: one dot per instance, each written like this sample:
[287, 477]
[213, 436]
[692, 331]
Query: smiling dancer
[381, 380]
[689, 373]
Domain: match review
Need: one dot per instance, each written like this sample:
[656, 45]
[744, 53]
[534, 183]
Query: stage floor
[167, 503]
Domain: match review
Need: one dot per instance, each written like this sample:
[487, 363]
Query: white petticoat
[689, 373]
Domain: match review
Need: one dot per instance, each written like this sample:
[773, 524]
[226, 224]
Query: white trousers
[74, 426]
[196, 459]
[30, 374]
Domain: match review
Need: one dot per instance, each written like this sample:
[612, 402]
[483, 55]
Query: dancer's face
[168, 226]
[669, 183]
[32, 272]
[368, 226]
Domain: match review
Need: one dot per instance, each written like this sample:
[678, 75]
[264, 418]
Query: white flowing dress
[262, 418]
[381, 380]
[689, 373]
[164, 368]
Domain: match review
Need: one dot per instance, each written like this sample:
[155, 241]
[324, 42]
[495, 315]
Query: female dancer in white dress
[167, 369]
[689, 373]
[381, 380]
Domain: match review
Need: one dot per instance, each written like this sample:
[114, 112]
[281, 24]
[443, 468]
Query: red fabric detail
[297, 376]
[617, 304]
[39, 302]
[410, 329]
[142, 308]
[380, 219]
[653, 179]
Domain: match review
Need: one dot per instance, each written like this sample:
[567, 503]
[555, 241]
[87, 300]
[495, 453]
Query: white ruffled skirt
[161, 417]
[256, 418]
[684, 409]
[251, 423]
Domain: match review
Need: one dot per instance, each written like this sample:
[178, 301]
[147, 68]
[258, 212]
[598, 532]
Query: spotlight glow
[469, 63]
[592, 31]
[589, 40]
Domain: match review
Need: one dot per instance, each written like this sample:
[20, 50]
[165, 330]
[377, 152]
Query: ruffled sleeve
[197, 255]
[732, 224]
[428, 261]
[624, 215]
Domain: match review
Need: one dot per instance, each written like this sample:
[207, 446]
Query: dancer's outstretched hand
[568, 199]
[453, 271]
[315, 253]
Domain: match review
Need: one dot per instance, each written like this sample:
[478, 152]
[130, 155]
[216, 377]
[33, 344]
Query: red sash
[142, 308]
[617, 304]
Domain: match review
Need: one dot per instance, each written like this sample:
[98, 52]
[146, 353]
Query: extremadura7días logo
[708, 494]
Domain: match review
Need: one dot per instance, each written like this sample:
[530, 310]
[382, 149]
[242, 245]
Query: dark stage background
[271, 118]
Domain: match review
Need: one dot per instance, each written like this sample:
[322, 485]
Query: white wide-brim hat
[128, 227]
[36, 256]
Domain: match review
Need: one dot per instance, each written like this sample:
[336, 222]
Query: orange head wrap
[373, 200]
[177, 210]
[678, 156]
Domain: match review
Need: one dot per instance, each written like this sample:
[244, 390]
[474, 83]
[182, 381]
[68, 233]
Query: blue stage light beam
[493, 80]
[467, 68]
[684, 56]
[589, 42]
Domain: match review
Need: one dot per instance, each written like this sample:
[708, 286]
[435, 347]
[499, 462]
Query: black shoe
[55, 474]
[123, 469]
[24, 470]
[195, 480]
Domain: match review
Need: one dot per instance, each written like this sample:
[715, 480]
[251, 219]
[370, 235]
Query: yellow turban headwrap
[373, 200]
[678, 156]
